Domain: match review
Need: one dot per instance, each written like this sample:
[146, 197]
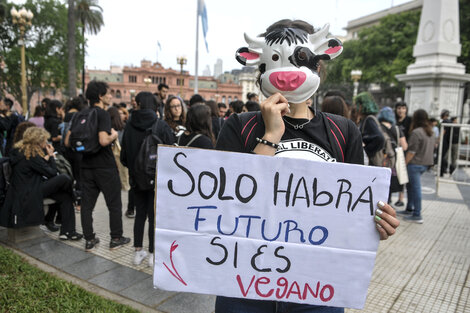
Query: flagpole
[197, 47]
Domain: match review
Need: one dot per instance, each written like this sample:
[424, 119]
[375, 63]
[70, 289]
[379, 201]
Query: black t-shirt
[310, 142]
[202, 141]
[104, 158]
[405, 126]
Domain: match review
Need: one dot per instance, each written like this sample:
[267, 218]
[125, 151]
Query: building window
[229, 99]
[118, 94]
[164, 80]
[223, 99]
[132, 79]
[179, 82]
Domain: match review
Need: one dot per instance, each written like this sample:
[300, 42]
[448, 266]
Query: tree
[71, 26]
[381, 52]
[46, 49]
[90, 16]
[464, 10]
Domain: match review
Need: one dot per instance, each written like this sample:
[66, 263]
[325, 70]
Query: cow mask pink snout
[287, 81]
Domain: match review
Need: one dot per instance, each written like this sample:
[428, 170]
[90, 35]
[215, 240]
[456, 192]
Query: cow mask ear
[250, 55]
[247, 57]
[326, 48]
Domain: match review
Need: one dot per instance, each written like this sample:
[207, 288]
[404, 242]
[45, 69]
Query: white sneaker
[139, 256]
[151, 260]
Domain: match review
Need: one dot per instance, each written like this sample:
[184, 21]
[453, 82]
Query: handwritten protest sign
[259, 227]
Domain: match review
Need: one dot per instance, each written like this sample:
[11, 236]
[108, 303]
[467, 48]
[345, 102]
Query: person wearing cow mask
[287, 56]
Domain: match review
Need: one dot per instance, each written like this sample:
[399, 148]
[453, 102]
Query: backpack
[5, 176]
[190, 142]
[386, 156]
[336, 131]
[146, 159]
[84, 136]
[63, 165]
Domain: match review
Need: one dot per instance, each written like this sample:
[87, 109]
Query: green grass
[24, 288]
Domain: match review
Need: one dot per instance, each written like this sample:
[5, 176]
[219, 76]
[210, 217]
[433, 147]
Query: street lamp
[181, 61]
[356, 76]
[23, 18]
[147, 82]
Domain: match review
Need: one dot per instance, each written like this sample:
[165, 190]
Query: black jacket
[23, 203]
[134, 134]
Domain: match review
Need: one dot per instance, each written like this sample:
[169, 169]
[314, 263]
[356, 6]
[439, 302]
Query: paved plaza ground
[423, 268]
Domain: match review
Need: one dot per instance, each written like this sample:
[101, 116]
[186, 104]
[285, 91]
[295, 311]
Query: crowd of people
[41, 156]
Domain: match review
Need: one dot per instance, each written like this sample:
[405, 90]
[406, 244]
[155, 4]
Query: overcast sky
[133, 28]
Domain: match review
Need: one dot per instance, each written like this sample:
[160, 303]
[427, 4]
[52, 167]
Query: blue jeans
[236, 305]
[414, 188]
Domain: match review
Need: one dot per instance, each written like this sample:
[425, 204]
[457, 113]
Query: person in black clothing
[32, 160]
[99, 173]
[15, 119]
[5, 125]
[53, 122]
[445, 119]
[280, 123]
[160, 96]
[76, 104]
[198, 128]
[134, 133]
[371, 135]
[402, 118]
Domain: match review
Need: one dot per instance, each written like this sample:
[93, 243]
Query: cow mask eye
[275, 57]
[302, 55]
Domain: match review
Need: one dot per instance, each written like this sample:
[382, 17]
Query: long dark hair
[51, 108]
[420, 119]
[199, 120]
[169, 117]
[335, 105]
[116, 121]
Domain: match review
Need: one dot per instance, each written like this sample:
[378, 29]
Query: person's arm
[409, 156]
[403, 143]
[67, 139]
[412, 147]
[106, 139]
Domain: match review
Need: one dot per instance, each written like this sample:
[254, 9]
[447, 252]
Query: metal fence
[453, 155]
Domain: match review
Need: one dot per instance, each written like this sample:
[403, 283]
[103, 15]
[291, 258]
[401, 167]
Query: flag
[203, 13]
[159, 46]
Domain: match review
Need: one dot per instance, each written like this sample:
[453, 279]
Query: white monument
[436, 81]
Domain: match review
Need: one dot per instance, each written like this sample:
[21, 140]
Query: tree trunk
[72, 74]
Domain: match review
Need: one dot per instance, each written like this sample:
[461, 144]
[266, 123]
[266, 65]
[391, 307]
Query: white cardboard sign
[259, 227]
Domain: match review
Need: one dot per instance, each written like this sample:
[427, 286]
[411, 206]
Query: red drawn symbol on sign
[175, 274]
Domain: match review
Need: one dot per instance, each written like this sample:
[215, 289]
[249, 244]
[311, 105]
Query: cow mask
[287, 59]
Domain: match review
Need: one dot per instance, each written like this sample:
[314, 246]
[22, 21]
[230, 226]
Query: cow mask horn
[288, 58]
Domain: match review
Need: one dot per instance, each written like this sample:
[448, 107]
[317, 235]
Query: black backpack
[146, 159]
[84, 136]
[5, 176]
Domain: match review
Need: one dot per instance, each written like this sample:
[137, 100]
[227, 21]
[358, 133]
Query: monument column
[436, 81]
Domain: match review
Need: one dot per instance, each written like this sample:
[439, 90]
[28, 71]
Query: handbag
[123, 172]
[400, 164]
